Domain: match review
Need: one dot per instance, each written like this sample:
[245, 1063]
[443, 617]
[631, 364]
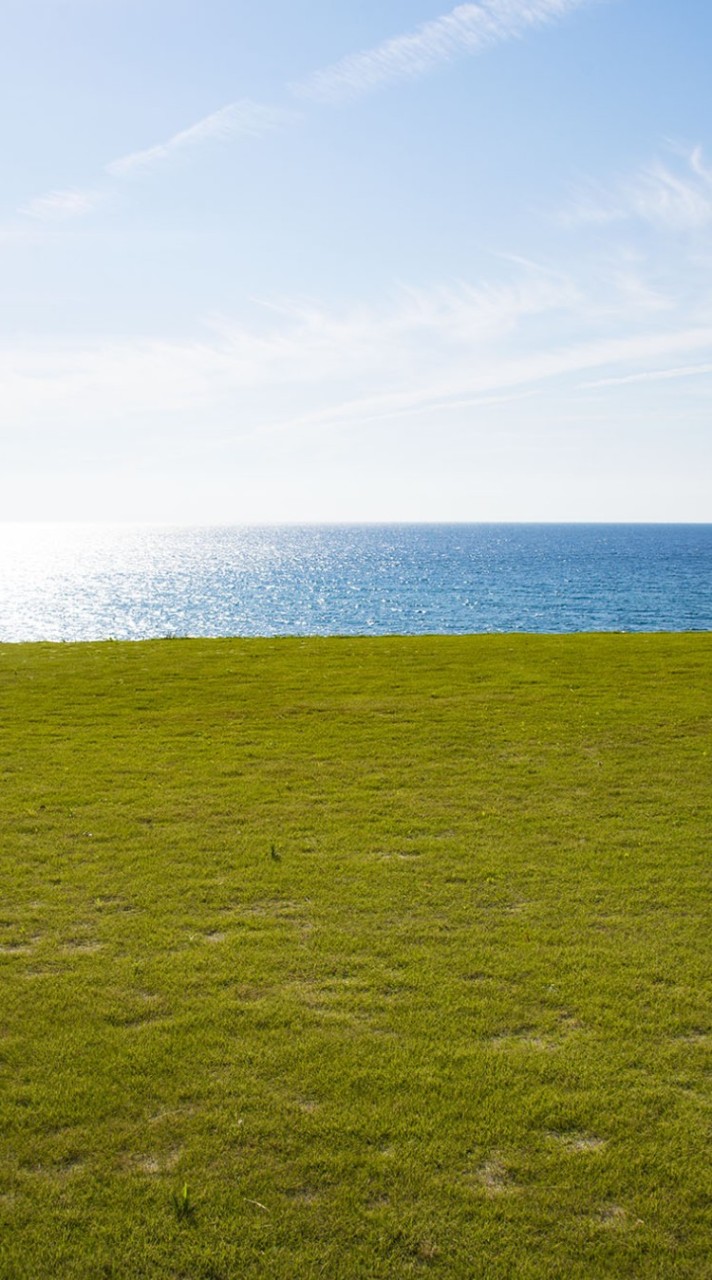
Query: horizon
[347, 524]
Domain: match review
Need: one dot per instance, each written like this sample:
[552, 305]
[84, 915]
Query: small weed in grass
[183, 1205]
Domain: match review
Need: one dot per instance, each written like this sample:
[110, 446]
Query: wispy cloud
[467, 29]
[238, 119]
[72, 202]
[653, 375]
[293, 359]
[245, 119]
[302, 370]
[671, 195]
[482, 383]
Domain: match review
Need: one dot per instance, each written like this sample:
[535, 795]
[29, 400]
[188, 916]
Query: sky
[312, 260]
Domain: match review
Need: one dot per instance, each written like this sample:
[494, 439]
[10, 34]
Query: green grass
[355, 958]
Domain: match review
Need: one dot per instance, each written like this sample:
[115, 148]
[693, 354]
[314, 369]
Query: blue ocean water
[132, 582]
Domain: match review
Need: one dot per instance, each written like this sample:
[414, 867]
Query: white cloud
[467, 29]
[293, 353]
[301, 369]
[677, 197]
[653, 375]
[72, 202]
[480, 382]
[238, 119]
[413, 329]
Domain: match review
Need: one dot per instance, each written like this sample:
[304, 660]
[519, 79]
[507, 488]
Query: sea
[134, 582]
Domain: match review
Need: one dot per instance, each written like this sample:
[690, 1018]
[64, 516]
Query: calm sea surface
[60, 582]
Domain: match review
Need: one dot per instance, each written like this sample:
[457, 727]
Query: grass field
[356, 958]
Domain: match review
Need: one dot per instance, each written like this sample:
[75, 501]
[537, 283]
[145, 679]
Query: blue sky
[313, 260]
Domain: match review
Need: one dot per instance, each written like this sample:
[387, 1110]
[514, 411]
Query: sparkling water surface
[90, 582]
